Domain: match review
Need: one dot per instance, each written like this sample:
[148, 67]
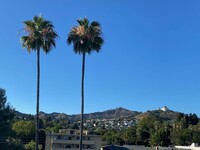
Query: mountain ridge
[116, 113]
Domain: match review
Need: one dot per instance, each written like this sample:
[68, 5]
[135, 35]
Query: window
[65, 137]
[67, 146]
[71, 132]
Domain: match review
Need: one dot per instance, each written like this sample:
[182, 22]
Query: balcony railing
[73, 141]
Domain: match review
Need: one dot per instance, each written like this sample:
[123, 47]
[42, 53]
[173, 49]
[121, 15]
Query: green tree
[187, 120]
[40, 34]
[161, 135]
[181, 132]
[112, 137]
[85, 38]
[146, 128]
[129, 136]
[6, 118]
[31, 146]
[24, 128]
[193, 119]
[195, 134]
[181, 136]
[6, 114]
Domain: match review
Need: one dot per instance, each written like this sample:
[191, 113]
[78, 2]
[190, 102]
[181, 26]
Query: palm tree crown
[40, 34]
[86, 37]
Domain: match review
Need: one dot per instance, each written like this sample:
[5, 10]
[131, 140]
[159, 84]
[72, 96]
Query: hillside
[119, 118]
[168, 115]
[113, 113]
[107, 114]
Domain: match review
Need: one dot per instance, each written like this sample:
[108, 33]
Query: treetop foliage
[40, 34]
[86, 37]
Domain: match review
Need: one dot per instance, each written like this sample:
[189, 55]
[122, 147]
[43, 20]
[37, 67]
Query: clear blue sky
[150, 59]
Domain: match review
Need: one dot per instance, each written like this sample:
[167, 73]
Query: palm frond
[40, 34]
[86, 37]
[95, 24]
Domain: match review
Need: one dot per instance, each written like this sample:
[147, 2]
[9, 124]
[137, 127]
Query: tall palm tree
[40, 34]
[85, 39]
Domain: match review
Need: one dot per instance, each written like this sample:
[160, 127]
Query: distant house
[68, 139]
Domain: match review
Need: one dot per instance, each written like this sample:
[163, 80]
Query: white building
[194, 146]
[165, 108]
[68, 139]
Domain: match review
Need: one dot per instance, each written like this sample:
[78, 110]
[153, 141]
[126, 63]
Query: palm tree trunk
[82, 100]
[37, 100]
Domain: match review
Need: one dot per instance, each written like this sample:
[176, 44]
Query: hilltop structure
[165, 108]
